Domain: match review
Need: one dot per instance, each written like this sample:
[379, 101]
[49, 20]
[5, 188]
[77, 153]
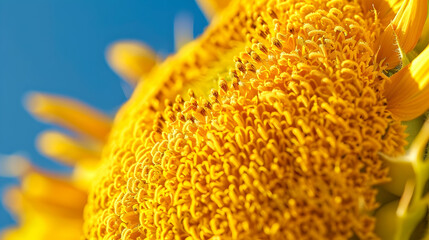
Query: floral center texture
[269, 126]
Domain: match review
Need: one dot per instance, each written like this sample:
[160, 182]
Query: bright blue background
[57, 46]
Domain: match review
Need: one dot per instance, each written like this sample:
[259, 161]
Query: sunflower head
[284, 120]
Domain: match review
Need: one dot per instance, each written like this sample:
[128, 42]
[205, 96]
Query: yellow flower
[282, 121]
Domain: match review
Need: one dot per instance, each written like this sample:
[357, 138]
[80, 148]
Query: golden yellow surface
[284, 120]
[284, 147]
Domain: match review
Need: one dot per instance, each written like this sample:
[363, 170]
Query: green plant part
[398, 220]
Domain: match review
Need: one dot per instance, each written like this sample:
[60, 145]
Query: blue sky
[57, 46]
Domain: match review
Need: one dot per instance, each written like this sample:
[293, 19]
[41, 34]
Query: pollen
[286, 119]
[285, 145]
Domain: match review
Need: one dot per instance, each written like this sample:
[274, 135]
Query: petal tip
[130, 59]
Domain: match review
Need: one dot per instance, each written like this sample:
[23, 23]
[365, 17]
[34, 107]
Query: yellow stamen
[289, 145]
[66, 149]
[131, 60]
[70, 114]
[407, 92]
[297, 117]
[408, 23]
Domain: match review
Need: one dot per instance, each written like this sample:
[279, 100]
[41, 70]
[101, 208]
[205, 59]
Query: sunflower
[284, 120]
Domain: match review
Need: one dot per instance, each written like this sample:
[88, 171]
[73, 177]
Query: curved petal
[408, 23]
[212, 7]
[66, 149]
[131, 60]
[407, 92]
[71, 114]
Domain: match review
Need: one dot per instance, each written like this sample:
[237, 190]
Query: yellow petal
[183, 30]
[212, 7]
[423, 41]
[52, 194]
[407, 92]
[66, 149]
[131, 60]
[39, 228]
[408, 23]
[14, 165]
[386, 10]
[388, 52]
[38, 224]
[71, 114]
